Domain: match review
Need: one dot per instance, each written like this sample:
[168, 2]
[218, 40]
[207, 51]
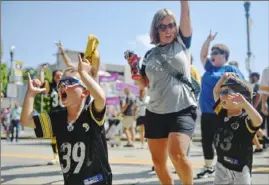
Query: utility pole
[249, 54]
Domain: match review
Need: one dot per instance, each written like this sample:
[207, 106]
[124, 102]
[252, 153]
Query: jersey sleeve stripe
[49, 126]
[248, 127]
[42, 121]
[46, 126]
[217, 107]
[42, 125]
[101, 122]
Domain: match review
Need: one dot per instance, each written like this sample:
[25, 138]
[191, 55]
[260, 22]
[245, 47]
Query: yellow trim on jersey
[46, 125]
[101, 122]
[218, 107]
[249, 129]
[53, 140]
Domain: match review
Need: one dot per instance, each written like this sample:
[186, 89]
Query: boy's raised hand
[83, 65]
[238, 100]
[34, 86]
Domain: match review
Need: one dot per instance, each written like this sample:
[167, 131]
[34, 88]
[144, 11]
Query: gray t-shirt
[168, 94]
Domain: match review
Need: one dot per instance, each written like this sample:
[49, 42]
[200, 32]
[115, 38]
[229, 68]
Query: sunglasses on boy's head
[163, 27]
[226, 92]
[69, 81]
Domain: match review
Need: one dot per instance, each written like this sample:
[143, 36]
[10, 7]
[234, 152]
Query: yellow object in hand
[92, 54]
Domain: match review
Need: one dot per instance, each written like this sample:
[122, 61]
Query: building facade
[123, 69]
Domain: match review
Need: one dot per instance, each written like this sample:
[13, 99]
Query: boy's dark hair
[53, 74]
[255, 74]
[241, 86]
[223, 50]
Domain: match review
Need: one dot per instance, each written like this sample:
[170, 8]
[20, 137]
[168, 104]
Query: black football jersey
[82, 145]
[233, 140]
[55, 102]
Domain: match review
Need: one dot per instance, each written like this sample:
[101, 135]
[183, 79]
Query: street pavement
[25, 162]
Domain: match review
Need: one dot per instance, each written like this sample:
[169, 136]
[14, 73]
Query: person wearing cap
[237, 123]
[214, 68]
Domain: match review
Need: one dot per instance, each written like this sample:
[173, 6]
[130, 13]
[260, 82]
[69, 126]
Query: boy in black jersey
[237, 122]
[78, 129]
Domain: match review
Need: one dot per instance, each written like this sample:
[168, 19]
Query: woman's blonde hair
[158, 17]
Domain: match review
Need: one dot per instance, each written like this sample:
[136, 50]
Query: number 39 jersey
[82, 145]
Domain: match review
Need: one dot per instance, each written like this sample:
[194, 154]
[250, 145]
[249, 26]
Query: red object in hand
[133, 60]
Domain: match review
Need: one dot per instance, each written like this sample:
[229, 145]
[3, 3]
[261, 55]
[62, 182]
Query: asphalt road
[25, 162]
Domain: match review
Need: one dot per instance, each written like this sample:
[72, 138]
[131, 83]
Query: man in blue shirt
[215, 66]
[15, 121]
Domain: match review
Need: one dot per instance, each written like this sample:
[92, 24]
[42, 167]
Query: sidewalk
[25, 162]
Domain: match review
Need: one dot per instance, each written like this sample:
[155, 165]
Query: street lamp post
[248, 60]
[12, 48]
[11, 52]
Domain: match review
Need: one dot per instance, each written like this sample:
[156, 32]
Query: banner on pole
[18, 68]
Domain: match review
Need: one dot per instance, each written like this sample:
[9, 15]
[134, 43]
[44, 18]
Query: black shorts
[140, 120]
[159, 126]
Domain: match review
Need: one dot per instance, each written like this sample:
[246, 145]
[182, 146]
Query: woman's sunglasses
[163, 27]
[216, 52]
[69, 81]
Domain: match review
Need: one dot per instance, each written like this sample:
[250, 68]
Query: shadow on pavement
[3, 168]
[27, 175]
[30, 175]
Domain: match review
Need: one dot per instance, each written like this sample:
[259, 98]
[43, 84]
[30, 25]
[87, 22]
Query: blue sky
[33, 27]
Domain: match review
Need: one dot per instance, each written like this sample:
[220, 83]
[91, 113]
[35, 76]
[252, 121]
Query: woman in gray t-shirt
[171, 111]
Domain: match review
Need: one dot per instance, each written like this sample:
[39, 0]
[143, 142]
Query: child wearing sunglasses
[78, 129]
[237, 123]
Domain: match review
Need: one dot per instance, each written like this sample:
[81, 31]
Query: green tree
[4, 77]
[35, 74]
[32, 71]
[4, 73]
[46, 99]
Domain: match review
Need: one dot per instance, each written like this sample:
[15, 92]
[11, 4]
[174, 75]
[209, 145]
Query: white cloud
[142, 41]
